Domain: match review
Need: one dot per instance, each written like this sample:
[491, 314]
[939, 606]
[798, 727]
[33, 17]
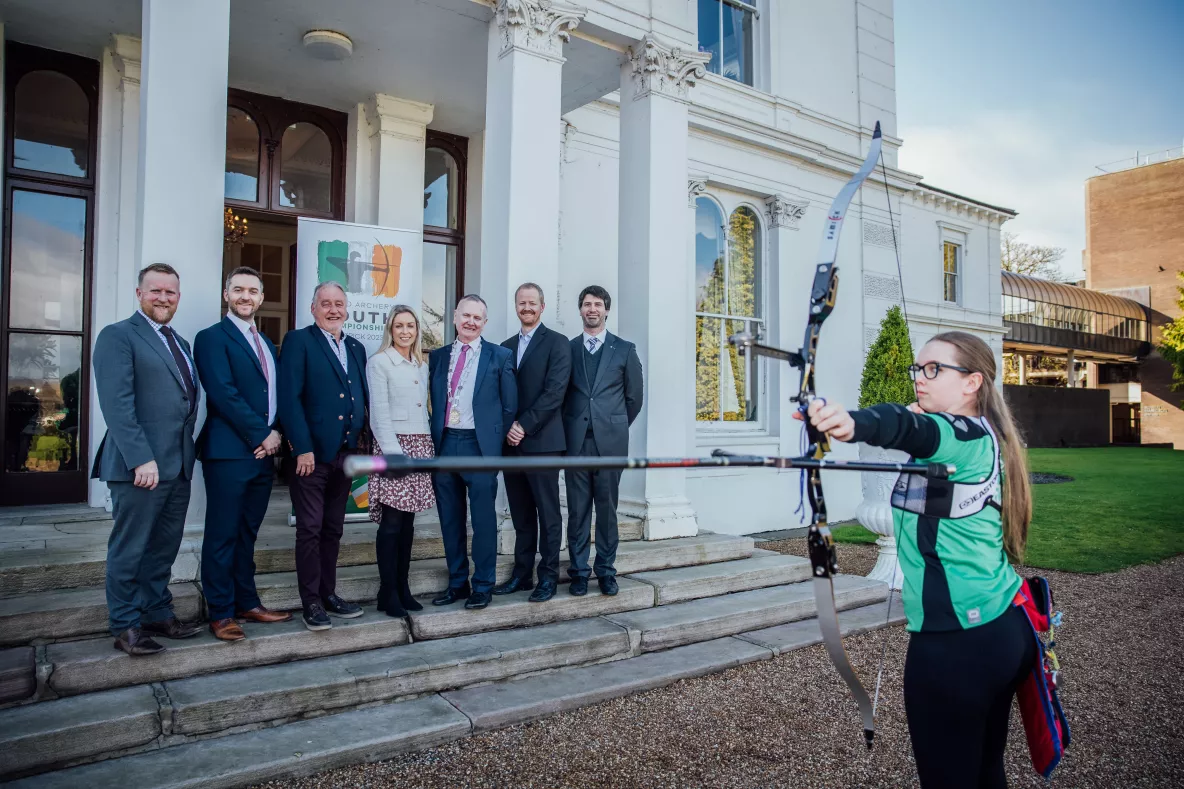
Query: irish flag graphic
[362, 268]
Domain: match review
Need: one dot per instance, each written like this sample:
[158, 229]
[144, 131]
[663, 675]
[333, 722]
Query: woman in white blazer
[398, 378]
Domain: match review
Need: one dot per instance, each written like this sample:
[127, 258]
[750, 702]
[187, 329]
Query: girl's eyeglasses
[931, 369]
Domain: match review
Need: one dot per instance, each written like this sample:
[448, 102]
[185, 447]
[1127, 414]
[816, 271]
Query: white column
[398, 134]
[179, 199]
[520, 205]
[1022, 363]
[113, 289]
[654, 302]
[1070, 370]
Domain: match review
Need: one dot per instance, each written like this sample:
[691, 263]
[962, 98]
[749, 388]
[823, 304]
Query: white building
[532, 140]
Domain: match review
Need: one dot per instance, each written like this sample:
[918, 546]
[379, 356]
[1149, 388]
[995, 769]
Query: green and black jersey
[949, 533]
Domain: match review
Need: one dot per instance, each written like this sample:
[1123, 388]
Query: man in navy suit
[237, 366]
[474, 400]
[322, 400]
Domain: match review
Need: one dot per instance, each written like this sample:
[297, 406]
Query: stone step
[18, 674]
[673, 625]
[289, 751]
[710, 580]
[201, 705]
[76, 667]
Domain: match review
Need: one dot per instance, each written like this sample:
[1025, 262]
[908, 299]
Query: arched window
[443, 234]
[440, 178]
[242, 156]
[306, 169]
[51, 127]
[727, 302]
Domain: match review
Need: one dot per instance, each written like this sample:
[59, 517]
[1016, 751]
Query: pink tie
[456, 374]
[259, 350]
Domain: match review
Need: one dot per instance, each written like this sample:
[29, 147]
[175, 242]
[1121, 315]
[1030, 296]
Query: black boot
[387, 552]
[402, 587]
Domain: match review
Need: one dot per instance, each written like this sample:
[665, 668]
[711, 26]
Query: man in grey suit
[148, 393]
[603, 400]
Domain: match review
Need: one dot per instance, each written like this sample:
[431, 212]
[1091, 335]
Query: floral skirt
[412, 493]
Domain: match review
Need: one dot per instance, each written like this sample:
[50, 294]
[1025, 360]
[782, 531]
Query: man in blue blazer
[474, 399]
[322, 400]
[237, 365]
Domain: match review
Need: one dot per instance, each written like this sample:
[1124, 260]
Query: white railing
[1143, 159]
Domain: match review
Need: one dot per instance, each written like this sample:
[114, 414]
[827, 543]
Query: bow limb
[820, 542]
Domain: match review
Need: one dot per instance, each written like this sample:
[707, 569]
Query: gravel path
[790, 722]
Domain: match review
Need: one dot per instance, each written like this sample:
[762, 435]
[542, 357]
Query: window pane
[951, 288]
[733, 372]
[439, 287]
[51, 125]
[440, 192]
[744, 263]
[41, 423]
[737, 44]
[306, 169]
[707, 368]
[709, 257]
[709, 33]
[48, 251]
[950, 257]
[242, 156]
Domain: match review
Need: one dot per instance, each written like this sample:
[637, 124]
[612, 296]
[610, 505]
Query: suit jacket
[542, 378]
[236, 392]
[610, 402]
[143, 400]
[495, 396]
[314, 392]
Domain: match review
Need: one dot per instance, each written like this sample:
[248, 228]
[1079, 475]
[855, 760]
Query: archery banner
[378, 267]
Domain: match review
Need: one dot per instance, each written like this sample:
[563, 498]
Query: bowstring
[896, 555]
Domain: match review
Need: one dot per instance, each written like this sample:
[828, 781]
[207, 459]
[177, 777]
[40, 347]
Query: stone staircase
[285, 701]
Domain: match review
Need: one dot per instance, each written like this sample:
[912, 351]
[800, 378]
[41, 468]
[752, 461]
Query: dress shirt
[338, 347]
[245, 327]
[464, 390]
[156, 328]
[524, 338]
[599, 340]
[398, 398]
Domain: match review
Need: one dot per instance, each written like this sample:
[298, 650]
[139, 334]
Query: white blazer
[398, 398]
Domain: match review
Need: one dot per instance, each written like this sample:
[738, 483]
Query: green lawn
[1125, 506]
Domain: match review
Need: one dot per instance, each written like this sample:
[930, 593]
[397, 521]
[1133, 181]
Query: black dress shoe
[544, 593]
[450, 595]
[171, 628]
[343, 609]
[135, 643]
[579, 587]
[514, 585]
[478, 600]
[607, 584]
[315, 618]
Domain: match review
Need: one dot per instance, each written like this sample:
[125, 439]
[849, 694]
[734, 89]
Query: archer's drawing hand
[830, 418]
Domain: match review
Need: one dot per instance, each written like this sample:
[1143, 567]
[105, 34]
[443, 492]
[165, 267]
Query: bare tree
[1032, 259]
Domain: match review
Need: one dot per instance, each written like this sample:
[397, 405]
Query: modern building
[682, 155]
[1134, 248]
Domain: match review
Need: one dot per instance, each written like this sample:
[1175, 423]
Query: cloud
[1015, 160]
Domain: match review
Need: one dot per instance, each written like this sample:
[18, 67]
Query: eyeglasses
[931, 369]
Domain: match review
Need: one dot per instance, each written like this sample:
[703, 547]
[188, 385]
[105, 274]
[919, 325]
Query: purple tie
[456, 374]
[259, 350]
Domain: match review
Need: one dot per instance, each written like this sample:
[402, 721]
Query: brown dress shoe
[261, 614]
[227, 630]
[135, 643]
[171, 628]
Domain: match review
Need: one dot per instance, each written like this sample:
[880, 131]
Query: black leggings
[958, 687]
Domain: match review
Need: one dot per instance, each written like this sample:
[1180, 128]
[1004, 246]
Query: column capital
[399, 117]
[659, 68]
[126, 53]
[784, 212]
[540, 27]
[695, 187]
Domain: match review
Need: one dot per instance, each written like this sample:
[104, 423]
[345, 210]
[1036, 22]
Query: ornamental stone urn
[875, 512]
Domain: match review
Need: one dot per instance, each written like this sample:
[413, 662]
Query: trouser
[450, 502]
[319, 500]
[958, 687]
[586, 489]
[534, 507]
[392, 552]
[141, 550]
[239, 492]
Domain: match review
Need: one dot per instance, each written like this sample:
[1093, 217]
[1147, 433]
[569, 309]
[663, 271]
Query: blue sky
[1015, 102]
